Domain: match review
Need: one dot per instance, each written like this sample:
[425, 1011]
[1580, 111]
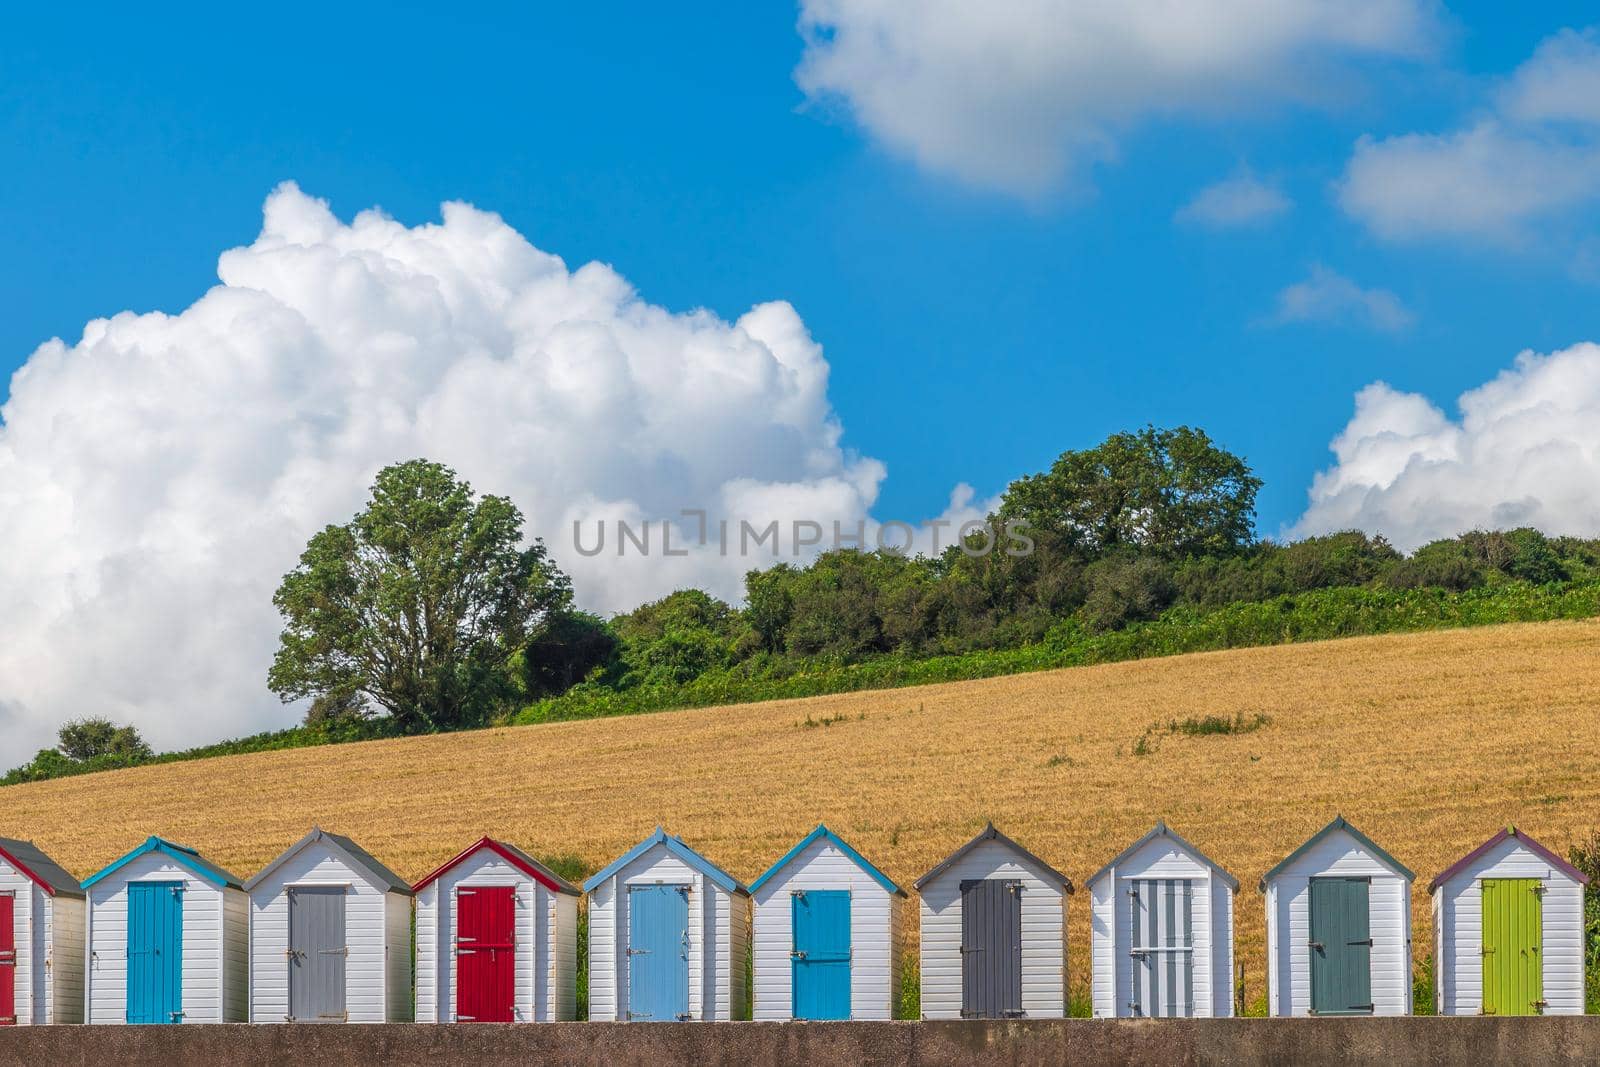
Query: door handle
[1318, 945]
[797, 954]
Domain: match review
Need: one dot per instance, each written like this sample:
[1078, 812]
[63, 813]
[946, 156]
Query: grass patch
[909, 1006]
[1149, 742]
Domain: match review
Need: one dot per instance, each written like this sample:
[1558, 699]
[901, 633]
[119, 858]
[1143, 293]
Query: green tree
[564, 651]
[90, 738]
[417, 605]
[1173, 492]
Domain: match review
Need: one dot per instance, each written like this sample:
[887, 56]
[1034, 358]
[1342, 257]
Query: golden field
[1428, 742]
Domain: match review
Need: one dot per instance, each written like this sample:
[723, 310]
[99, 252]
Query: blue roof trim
[675, 846]
[183, 854]
[838, 842]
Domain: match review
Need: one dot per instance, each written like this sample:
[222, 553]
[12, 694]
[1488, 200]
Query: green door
[1513, 931]
[1341, 946]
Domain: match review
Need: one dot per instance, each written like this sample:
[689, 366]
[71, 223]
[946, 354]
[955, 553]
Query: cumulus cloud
[1525, 451]
[1016, 96]
[159, 476]
[1329, 297]
[1242, 200]
[1530, 157]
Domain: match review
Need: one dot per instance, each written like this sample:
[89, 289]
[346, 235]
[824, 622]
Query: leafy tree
[678, 637]
[1168, 491]
[1124, 589]
[417, 604]
[90, 738]
[564, 651]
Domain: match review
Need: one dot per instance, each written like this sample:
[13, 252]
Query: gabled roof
[1338, 823]
[675, 846]
[1163, 830]
[27, 857]
[989, 833]
[838, 842]
[353, 854]
[182, 854]
[512, 855]
[1522, 839]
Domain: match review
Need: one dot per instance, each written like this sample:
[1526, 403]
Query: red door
[8, 960]
[486, 955]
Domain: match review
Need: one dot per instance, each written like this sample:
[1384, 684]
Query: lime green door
[1513, 935]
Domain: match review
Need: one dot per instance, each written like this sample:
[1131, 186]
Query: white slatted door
[1161, 947]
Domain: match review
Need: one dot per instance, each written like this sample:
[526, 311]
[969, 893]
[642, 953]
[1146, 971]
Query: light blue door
[821, 953]
[155, 952]
[658, 953]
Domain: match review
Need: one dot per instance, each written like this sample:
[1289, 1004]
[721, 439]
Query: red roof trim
[507, 854]
[23, 867]
[1527, 842]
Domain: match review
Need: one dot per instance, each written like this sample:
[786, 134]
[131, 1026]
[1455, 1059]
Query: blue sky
[1012, 229]
[972, 334]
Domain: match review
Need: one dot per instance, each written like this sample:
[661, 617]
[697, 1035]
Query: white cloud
[1525, 452]
[1242, 200]
[1016, 96]
[1533, 157]
[160, 475]
[1327, 296]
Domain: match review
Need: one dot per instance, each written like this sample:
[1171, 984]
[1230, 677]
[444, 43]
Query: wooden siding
[1111, 931]
[546, 942]
[1458, 932]
[1044, 950]
[711, 973]
[366, 931]
[206, 968]
[874, 955]
[1289, 927]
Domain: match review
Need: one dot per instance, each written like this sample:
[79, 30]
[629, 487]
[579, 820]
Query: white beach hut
[167, 939]
[828, 931]
[994, 933]
[330, 936]
[669, 933]
[41, 938]
[1508, 931]
[1161, 931]
[497, 939]
[1338, 928]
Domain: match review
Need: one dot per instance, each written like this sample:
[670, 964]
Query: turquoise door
[155, 952]
[658, 953]
[821, 955]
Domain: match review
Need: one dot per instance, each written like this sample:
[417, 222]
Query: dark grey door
[991, 949]
[317, 954]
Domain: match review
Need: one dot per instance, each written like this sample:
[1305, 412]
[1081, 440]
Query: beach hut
[167, 939]
[330, 936]
[497, 939]
[1161, 931]
[1338, 928]
[994, 933]
[827, 934]
[41, 938]
[669, 934]
[1508, 931]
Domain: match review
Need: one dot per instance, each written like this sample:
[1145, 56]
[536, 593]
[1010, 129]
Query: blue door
[658, 953]
[155, 952]
[821, 953]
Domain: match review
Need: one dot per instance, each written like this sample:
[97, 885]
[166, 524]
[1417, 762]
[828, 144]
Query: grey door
[991, 949]
[317, 954]
[1161, 934]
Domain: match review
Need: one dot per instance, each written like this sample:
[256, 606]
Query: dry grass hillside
[1428, 742]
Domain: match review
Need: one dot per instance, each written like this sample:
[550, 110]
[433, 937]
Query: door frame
[797, 954]
[8, 968]
[1537, 888]
[1017, 888]
[344, 889]
[685, 890]
[177, 889]
[472, 889]
[1140, 955]
[1311, 973]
